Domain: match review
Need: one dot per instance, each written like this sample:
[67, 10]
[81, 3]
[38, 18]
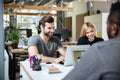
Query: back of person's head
[114, 18]
[48, 19]
[84, 28]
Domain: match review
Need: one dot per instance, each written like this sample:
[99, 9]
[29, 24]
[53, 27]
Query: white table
[28, 74]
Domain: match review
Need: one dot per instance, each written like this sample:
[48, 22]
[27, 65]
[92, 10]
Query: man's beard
[47, 34]
[110, 36]
[109, 33]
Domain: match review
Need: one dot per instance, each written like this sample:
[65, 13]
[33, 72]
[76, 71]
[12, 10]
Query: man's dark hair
[45, 19]
[115, 6]
[114, 16]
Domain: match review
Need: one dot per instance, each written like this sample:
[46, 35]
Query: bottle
[36, 63]
[31, 62]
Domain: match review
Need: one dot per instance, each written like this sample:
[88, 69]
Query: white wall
[96, 20]
[78, 8]
[102, 6]
[104, 28]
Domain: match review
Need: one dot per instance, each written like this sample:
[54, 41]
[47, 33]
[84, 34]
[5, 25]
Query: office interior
[69, 16]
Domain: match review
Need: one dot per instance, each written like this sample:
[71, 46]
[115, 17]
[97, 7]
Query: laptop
[73, 54]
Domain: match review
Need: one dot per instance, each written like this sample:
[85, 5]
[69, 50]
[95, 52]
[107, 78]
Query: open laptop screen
[73, 52]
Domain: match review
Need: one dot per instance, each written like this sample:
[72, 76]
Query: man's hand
[60, 59]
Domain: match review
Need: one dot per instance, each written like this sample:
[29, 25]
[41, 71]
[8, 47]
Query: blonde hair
[84, 28]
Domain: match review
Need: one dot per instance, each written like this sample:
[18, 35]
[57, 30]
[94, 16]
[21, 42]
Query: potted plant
[14, 36]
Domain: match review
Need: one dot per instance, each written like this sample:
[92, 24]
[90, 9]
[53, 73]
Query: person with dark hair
[101, 60]
[88, 35]
[45, 43]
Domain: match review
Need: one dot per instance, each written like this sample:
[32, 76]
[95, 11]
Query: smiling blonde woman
[88, 34]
